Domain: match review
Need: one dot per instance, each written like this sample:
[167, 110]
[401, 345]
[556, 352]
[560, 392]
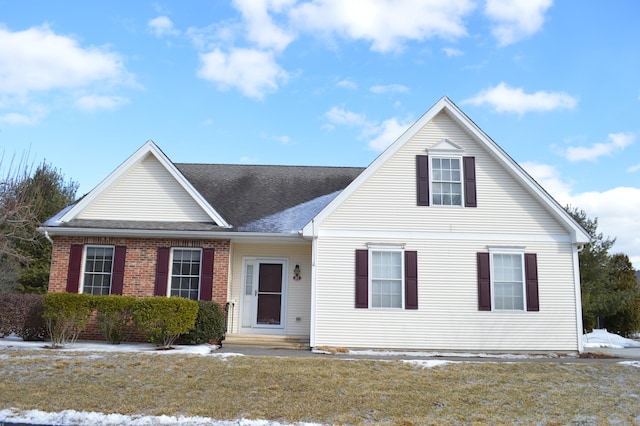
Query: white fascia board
[148, 148]
[149, 233]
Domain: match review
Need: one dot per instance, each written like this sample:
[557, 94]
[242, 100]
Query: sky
[329, 82]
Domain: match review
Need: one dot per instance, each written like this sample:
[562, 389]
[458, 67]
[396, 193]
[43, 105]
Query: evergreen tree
[610, 292]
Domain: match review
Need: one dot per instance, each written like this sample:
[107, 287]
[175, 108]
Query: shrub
[209, 324]
[114, 315]
[21, 314]
[163, 319]
[65, 316]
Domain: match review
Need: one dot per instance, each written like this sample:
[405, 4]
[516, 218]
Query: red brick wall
[140, 269]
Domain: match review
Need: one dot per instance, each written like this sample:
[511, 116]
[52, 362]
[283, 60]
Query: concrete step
[267, 341]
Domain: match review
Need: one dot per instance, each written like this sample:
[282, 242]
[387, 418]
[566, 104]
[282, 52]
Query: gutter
[107, 232]
[46, 235]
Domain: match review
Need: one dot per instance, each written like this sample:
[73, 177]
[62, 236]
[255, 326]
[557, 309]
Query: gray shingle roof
[243, 194]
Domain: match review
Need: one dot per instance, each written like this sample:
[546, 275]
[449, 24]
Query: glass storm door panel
[269, 304]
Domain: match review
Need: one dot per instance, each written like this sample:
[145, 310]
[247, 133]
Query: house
[442, 243]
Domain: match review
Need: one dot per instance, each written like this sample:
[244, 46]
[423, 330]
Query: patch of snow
[630, 363]
[451, 354]
[291, 219]
[72, 417]
[428, 363]
[601, 338]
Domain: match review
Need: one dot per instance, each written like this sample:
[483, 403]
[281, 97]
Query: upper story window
[98, 269]
[185, 273]
[446, 182]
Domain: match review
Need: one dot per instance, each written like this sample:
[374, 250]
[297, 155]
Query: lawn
[322, 390]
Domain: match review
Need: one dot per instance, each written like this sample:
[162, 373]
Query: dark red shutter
[469, 170]
[206, 278]
[484, 282]
[162, 272]
[531, 276]
[117, 277]
[411, 280]
[362, 278]
[75, 265]
[422, 179]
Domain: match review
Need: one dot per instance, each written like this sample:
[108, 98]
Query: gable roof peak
[148, 148]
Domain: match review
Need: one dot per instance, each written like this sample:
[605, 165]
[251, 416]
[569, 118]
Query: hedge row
[62, 316]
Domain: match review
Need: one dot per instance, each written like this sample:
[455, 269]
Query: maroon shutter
[484, 282]
[362, 278]
[162, 272]
[469, 170]
[206, 277]
[411, 280]
[422, 178]
[531, 276]
[117, 277]
[75, 265]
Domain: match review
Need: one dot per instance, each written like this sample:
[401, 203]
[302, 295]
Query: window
[446, 184]
[508, 281]
[386, 279]
[98, 268]
[185, 273]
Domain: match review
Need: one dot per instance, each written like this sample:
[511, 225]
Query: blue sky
[329, 82]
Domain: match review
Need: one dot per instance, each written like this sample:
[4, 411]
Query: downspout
[314, 249]
[578, 296]
[46, 235]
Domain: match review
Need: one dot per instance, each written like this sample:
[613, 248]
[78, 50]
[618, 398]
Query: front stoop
[267, 341]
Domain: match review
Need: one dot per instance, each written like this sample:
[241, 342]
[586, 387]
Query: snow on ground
[595, 339]
[601, 338]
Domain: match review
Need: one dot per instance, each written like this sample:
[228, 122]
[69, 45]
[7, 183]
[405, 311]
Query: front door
[269, 295]
[264, 295]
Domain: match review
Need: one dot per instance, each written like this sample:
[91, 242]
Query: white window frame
[393, 249]
[171, 275]
[432, 180]
[518, 251]
[84, 264]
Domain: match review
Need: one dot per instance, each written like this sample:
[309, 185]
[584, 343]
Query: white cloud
[162, 26]
[450, 51]
[95, 102]
[387, 24]
[37, 59]
[634, 169]
[507, 99]
[347, 84]
[516, 19]
[379, 135]
[342, 116]
[390, 88]
[615, 142]
[254, 72]
[261, 29]
[387, 133]
[617, 209]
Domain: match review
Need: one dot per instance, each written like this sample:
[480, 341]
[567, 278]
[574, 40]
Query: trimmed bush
[114, 315]
[65, 316]
[209, 326]
[164, 319]
[21, 314]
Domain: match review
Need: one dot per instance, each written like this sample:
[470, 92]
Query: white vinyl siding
[383, 210]
[147, 192]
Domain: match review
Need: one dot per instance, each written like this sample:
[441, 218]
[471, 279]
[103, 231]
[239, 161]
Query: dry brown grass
[322, 390]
